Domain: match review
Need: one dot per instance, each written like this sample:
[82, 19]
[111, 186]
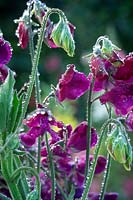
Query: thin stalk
[89, 106]
[108, 164]
[93, 165]
[52, 169]
[37, 87]
[106, 177]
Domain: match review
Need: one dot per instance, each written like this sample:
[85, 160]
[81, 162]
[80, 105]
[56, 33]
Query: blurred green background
[92, 19]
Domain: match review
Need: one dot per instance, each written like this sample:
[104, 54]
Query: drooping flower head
[72, 84]
[22, 30]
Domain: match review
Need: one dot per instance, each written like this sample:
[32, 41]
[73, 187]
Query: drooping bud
[62, 36]
[119, 147]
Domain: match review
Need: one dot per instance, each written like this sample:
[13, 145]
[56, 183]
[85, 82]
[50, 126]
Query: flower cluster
[55, 36]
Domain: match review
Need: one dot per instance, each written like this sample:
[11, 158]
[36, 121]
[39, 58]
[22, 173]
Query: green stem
[108, 164]
[37, 85]
[17, 171]
[93, 165]
[106, 177]
[52, 169]
[89, 106]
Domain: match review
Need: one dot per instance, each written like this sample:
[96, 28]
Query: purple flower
[121, 96]
[78, 139]
[5, 51]
[39, 122]
[129, 121]
[125, 71]
[72, 84]
[100, 166]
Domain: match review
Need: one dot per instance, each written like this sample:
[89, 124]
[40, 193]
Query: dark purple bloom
[72, 84]
[39, 122]
[121, 96]
[22, 34]
[78, 139]
[129, 121]
[100, 167]
[5, 51]
[125, 71]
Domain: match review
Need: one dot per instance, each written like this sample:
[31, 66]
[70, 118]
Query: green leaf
[3, 197]
[6, 98]
[32, 195]
[22, 182]
[15, 113]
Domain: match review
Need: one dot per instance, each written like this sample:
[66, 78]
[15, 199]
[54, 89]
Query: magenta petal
[72, 84]
[78, 139]
[27, 140]
[101, 164]
[5, 51]
[121, 97]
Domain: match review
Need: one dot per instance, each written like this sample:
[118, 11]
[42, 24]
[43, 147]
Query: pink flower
[129, 121]
[121, 96]
[5, 51]
[72, 84]
[22, 34]
[78, 139]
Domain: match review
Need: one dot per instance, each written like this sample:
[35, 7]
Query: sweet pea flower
[39, 122]
[121, 96]
[72, 84]
[78, 139]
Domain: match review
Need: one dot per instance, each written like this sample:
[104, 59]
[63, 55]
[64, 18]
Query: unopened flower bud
[62, 37]
[119, 147]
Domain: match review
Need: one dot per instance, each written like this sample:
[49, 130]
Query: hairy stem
[89, 105]
[52, 169]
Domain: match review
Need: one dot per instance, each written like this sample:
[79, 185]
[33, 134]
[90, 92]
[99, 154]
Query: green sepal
[129, 157]
[19, 152]
[6, 99]
[119, 149]
[32, 195]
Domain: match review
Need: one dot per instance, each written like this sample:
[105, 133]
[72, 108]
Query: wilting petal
[72, 84]
[78, 139]
[5, 51]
